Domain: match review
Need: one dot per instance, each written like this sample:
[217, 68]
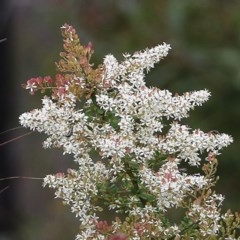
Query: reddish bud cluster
[37, 83]
[76, 73]
[103, 227]
[118, 236]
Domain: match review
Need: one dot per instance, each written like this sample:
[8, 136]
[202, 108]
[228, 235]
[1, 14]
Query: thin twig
[14, 139]
[20, 177]
[10, 130]
[2, 40]
[4, 189]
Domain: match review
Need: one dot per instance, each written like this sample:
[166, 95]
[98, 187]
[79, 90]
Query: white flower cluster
[208, 214]
[129, 128]
[169, 184]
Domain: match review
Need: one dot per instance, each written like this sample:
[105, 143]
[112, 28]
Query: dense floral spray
[129, 147]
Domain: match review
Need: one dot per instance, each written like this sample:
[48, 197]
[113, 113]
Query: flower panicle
[129, 146]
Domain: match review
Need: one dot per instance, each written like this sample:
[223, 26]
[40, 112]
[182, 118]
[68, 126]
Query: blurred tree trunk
[7, 194]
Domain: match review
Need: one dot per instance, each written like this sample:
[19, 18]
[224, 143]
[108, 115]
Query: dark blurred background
[205, 40]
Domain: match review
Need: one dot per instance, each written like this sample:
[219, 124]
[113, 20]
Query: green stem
[134, 182]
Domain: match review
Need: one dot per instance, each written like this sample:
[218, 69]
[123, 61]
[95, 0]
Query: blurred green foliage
[205, 40]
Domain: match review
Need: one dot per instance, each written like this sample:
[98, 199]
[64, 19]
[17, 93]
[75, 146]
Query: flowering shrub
[129, 147]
